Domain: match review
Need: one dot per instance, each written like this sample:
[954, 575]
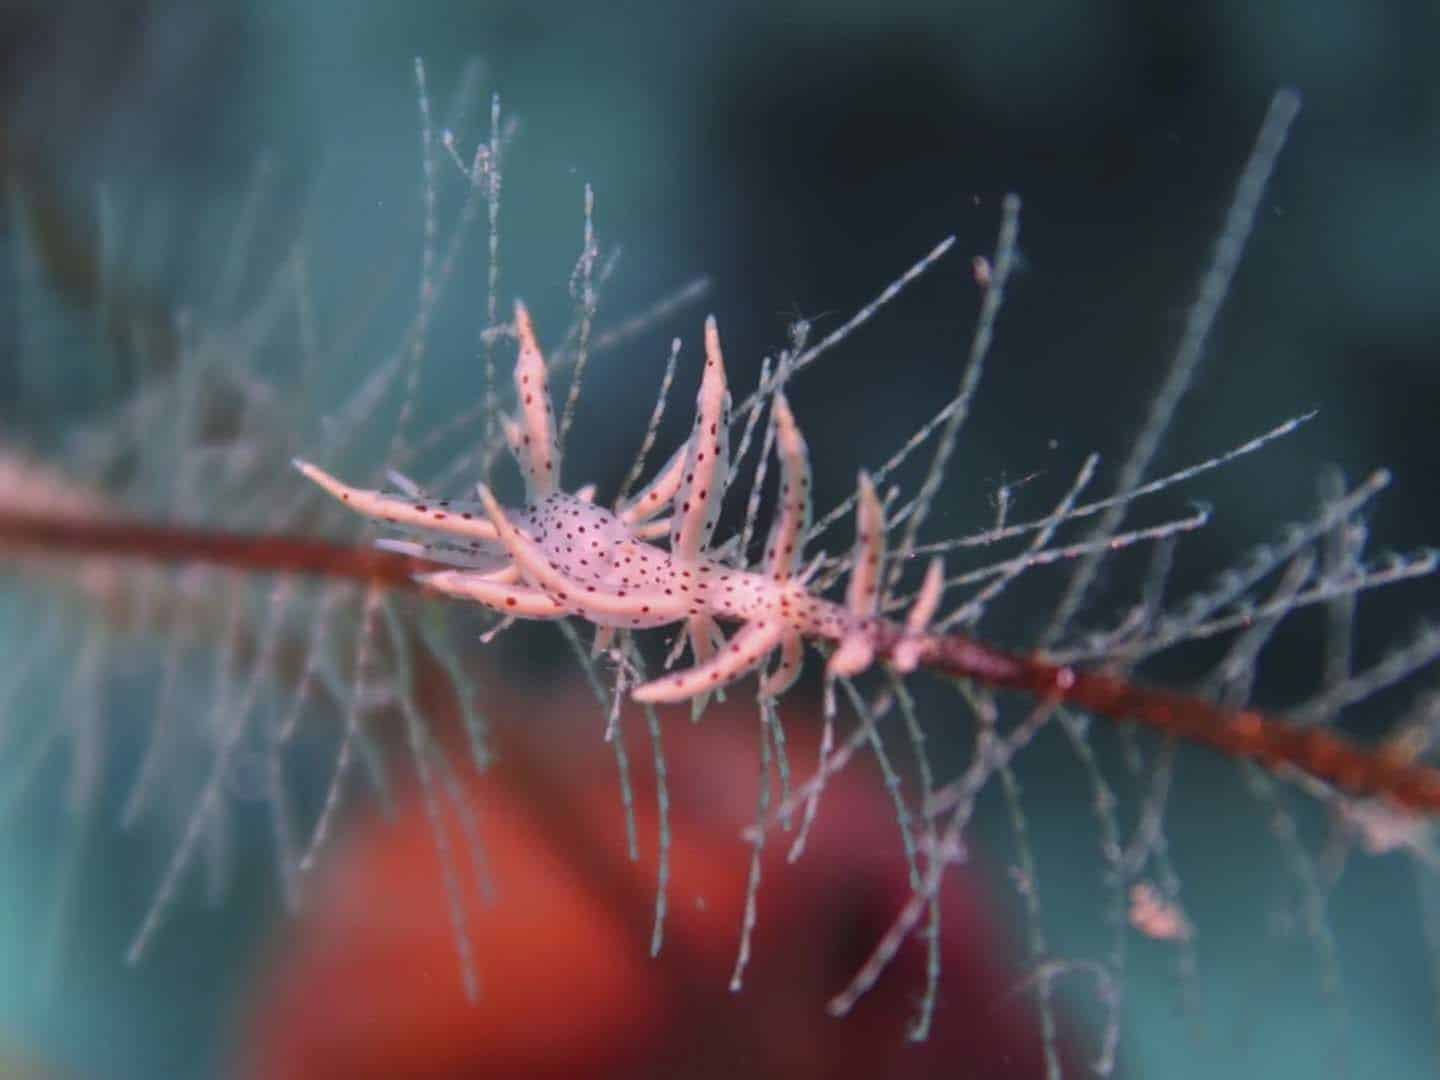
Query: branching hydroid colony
[564, 556]
[353, 639]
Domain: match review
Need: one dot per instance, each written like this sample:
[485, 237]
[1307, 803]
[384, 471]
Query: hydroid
[208, 444]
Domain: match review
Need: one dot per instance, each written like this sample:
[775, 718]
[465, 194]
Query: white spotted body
[589, 545]
[593, 547]
[563, 555]
[599, 553]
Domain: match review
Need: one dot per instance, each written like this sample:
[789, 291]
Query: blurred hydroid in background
[214, 239]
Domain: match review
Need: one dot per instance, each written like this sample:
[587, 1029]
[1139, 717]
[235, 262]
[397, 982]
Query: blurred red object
[367, 982]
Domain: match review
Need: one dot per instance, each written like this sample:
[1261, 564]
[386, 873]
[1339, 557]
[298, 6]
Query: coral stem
[1248, 734]
[59, 534]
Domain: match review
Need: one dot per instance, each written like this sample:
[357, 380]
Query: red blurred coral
[367, 983]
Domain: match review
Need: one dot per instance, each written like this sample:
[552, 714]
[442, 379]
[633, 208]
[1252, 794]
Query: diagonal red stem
[257, 553]
[1242, 733]
[1254, 736]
